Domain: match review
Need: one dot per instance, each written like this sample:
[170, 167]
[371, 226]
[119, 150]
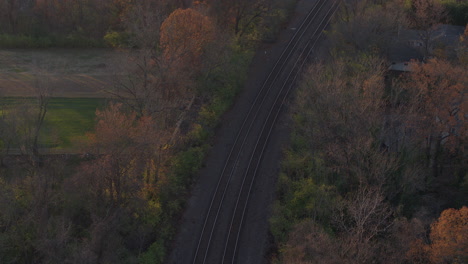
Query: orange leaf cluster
[449, 235]
[184, 36]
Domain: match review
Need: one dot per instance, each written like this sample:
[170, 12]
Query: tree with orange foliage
[162, 72]
[438, 91]
[124, 146]
[184, 36]
[449, 237]
[309, 243]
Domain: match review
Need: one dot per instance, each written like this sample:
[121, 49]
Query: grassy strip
[71, 119]
[52, 41]
[67, 119]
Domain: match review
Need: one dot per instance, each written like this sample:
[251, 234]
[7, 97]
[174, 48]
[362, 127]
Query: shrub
[458, 12]
[117, 39]
[155, 254]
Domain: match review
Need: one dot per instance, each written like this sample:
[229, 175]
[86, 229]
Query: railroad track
[241, 166]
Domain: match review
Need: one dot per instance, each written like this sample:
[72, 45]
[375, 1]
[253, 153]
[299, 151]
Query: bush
[189, 162]
[199, 135]
[117, 39]
[155, 254]
[223, 85]
[280, 223]
[458, 13]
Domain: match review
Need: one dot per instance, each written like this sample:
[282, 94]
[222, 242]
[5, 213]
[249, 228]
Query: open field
[69, 72]
[67, 120]
[78, 79]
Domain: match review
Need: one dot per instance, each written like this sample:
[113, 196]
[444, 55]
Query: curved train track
[251, 141]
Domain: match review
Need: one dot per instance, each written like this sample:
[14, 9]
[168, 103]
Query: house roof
[408, 42]
[401, 67]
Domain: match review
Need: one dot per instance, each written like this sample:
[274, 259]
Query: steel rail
[271, 126]
[290, 51]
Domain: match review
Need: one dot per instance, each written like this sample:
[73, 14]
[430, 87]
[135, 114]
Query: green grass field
[67, 119]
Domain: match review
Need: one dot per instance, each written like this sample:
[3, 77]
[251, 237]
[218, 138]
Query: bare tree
[426, 16]
[15, 15]
[366, 27]
[342, 113]
[309, 243]
[238, 14]
[43, 94]
[365, 215]
[137, 88]
[5, 136]
[437, 92]
[25, 119]
[351, 9]
[129, 155]
[143, 21]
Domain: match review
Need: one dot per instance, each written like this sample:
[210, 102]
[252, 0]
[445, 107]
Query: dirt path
[70, 72]
[254, 237]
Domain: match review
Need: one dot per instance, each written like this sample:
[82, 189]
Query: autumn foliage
[120, 199]
[449, 237]
[448, 240]
[376, 154]
[127, 150]
[184, 36]
[427, 13]
[438, 91]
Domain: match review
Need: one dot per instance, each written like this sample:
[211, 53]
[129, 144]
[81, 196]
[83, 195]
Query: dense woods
[119, 201]
[87, 23]
[376, 171]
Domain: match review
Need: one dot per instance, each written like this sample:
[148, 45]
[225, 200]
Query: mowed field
[78, 79]
[67, 120]
[69, 72]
